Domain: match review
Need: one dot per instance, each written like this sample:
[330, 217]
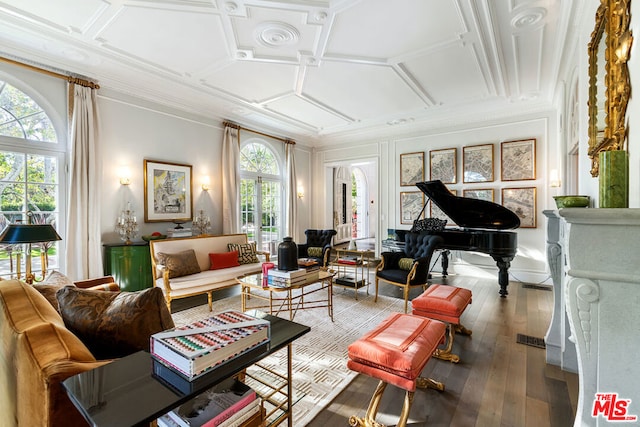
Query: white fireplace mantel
[602, 292]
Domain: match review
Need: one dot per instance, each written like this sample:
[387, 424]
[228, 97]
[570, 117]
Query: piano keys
[483, 227]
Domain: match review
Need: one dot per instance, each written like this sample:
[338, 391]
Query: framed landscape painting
[522, 201]
[477, 163]
[443, 165]
[518, 160]
[411, 168]
[167, 192]
[411, 203]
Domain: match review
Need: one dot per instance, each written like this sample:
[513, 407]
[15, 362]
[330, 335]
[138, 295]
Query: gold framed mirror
[609, 85]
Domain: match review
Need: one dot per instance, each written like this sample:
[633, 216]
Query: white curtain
[292, 192]
[230, 179]
[84, 253]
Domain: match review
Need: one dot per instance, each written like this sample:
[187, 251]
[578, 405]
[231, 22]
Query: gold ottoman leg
[445, 354]
[370, 418]
[406, 407]
[424, 382]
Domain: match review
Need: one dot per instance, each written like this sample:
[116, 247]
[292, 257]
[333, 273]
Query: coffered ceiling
[315, 70]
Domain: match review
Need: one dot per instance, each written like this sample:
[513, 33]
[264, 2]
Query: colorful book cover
[194, 348]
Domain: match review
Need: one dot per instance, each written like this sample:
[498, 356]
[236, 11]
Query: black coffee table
[126, 393]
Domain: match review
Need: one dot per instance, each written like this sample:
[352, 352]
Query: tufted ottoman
[395, 352]
[445, 303]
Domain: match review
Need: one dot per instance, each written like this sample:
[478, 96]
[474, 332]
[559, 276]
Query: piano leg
[444, 262]
[503, 264]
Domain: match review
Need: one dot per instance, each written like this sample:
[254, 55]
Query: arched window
[261, 194]
[30, 173]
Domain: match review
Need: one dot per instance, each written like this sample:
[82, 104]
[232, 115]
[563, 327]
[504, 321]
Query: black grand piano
[482, 228]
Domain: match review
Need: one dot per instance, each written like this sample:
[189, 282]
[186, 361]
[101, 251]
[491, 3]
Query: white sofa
[205, 280]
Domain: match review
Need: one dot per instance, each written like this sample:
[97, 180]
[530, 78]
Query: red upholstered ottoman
[395, 352]
[445, 303]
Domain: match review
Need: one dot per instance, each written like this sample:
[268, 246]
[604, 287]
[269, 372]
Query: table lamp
[28, 233]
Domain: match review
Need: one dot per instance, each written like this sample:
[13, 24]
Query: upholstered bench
[444, 303]
[395, 352]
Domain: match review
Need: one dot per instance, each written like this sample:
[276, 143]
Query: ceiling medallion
[276, 34]
[528, 18]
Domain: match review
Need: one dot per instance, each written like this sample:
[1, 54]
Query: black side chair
[318, 246]
[411, 267]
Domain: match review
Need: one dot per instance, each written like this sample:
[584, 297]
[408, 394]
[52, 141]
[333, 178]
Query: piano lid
[467, 212]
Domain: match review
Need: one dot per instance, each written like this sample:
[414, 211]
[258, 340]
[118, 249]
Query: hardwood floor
[498, 382]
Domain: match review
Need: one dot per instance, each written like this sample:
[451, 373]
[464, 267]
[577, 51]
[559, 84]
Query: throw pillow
[246, 252]
[314, 251]
[114, 324]
[52, 284]
[223, 260]
[179, 263]
[405, 263]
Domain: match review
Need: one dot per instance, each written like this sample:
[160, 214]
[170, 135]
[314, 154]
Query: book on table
[291, 274]
[284, 282]
[202, 345]
[227, 404]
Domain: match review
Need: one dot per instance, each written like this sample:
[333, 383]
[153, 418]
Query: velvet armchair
[318, 245]
[409, 268]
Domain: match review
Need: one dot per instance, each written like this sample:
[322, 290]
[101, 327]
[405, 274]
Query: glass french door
[260, 210]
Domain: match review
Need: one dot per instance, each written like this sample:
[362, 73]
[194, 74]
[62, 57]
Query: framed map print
[167, 192]
[442, 165]
[477, 163]
[518, 160]
[479, 193]
[522, 201]
[411, 203]
[436, 212]
[411, 168]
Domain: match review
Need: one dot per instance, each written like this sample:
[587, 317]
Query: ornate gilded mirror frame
[612, 26]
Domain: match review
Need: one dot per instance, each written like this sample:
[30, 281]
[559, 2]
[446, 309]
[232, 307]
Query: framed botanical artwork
[442, 165]
[411, 168]
[477, 163]
[522, 201]
[479, 193]
[518, 160]
[436, 212]
[411, 204]
[167, 192]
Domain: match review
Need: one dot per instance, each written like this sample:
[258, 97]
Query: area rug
[319, 358]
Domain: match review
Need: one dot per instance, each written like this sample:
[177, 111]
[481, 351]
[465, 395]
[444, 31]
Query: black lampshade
[28, 233]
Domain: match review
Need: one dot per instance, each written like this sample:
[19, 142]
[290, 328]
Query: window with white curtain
[31, 160]
[261, 194]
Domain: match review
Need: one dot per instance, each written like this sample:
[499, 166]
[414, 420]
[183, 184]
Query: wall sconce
[554, 179]
[125, 176]
[205, 183]
[300, 193]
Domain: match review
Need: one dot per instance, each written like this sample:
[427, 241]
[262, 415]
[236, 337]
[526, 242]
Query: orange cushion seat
[442, 302]
[397, 350]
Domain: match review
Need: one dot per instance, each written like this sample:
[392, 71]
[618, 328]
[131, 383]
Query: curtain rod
[237, 126]
[70, 79]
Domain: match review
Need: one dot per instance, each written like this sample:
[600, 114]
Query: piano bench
[395, 352]
[444, 303]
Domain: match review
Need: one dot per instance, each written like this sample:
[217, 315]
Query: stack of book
[229, 404]
[179, 232]
[283, 279]
[311, 266]
[194, 349]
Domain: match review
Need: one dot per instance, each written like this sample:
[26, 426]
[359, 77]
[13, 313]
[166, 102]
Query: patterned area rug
[320, 357]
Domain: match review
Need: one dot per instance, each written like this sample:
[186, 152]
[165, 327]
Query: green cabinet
[130, 265]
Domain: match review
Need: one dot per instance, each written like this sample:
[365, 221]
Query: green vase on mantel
[614, 179]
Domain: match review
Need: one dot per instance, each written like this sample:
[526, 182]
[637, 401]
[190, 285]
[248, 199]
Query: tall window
[30, 159]
[261, 192]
